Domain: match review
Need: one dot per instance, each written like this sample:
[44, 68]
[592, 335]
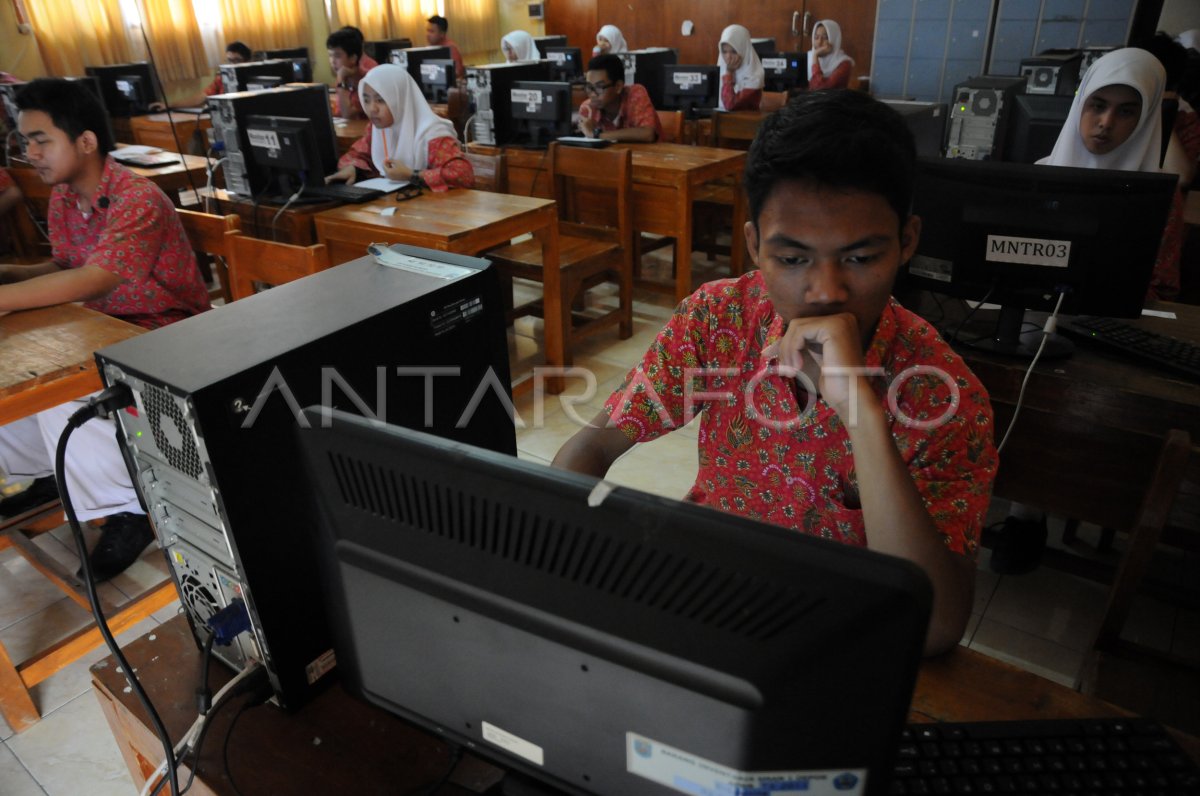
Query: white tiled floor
[1041, 621]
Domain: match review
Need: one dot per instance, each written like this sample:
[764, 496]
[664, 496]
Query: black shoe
[122, 539]
[37, 494]
[1017, 547]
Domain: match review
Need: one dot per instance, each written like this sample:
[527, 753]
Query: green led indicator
[137, 434]
[962, 107]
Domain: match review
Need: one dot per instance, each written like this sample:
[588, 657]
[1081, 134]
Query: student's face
[824, 251]
[234, 57]
[433, 34]
[377, 111]
[51, 151]
[339, 58]
[733, 59]
[510, 54]
[600, 90]
[604, 44]
[1109, 117]
[820, 37]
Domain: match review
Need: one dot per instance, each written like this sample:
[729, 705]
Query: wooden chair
[736, 130]
[773, 101]
[589, 253]
[672, 126]
[209, 239]
[29, 221]
[490, 172]
[458, 108]
[252, 260]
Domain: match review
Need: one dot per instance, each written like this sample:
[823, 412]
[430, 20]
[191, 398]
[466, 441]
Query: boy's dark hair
[72, 107]
[442, 23]
[612, 65]
[835, 138]
[238, 47]
[1170, 53]
[349, 40]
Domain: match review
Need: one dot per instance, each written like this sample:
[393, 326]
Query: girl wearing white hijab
[610, 40]
[741, 71]
[828, 64]
[519, 46]
[406, 141]
[1116, 123]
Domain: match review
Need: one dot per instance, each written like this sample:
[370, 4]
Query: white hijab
[1190, 39]
[750, 73]
[1143, 150]
[833, 31]
[414, 124]
[523, 45]
[613, 34]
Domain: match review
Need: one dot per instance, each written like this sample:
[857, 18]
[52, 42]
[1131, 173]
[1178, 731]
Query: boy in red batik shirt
[614, 110]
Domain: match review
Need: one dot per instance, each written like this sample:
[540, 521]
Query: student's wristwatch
[416, 180]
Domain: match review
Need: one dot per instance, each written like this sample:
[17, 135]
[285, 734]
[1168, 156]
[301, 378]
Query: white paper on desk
[135, 149]
[1159, 314]
[381, 184]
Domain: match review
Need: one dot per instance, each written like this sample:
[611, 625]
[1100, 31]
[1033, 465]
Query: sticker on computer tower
[513, 743]
[688, 773]
[684, 79]
[1028, 251]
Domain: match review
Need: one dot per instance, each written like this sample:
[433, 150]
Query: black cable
[109, 400]
[249, 703]
[456, 753]
[958, 329]
[170, 119]
[203, 693]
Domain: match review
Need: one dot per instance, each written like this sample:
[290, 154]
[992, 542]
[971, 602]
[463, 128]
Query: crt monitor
[382, 50]
[541, 111]
[1033, 126]
[566, 63]
[127, 89]
[607, 643]
[412, 58]
[692, 88]
[257, 75]
[784, 71]
[1017, 235]
[437, 78]
[301, 65]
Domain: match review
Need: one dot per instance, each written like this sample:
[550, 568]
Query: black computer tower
[645, 67]
[1052, 73]
[979, 116]
[490, 89]
[211, 440]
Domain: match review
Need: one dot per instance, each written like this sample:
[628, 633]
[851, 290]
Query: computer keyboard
[1052, 756]
[1154, 350]
[345, 193]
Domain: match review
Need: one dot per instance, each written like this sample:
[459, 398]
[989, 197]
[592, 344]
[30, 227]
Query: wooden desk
[461, 221]
[667, 179]
[337, 744]
[295, 225]
[155, 130]
[45, 360]
[348, 132]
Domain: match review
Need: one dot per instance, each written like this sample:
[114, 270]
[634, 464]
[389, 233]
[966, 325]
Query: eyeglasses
[597, 88]
[409, 191]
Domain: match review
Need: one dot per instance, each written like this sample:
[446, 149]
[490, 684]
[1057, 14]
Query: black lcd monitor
[566, 63]
[763, 46]
[541, 112]
[692, 88]
[784, 71]
[382, 50]
[1033, 126]
[1018, 235]
[437, 78]
[604, 640]
[287, 147]
[412, 58]
[127, 89]
[543, 42]
[301, 65]
[257, 75]
[926, 121]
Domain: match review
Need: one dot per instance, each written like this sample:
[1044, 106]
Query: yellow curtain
[72, 35]
[474, 25]
[382, 19]
[265, 24]
[175, 39]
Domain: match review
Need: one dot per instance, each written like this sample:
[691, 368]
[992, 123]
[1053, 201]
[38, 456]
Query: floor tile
[986, 583]
[15, 780]
[1051, 605]
[972, 626]
[1032, 653]
[6, 731]
[1151, 623]
[1186, 637]
[23, 590]
[72, 751]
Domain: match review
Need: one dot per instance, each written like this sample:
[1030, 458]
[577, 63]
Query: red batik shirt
[762, 456]
[6, 181]
[636, 111]
[134, 233]
[447, 167]
[839, 78]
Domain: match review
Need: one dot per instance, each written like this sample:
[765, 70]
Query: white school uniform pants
[96, 474]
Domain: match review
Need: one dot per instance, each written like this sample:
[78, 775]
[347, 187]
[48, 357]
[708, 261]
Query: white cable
[286, 205]
[193, 732]
[1048, 329]
[208, 185]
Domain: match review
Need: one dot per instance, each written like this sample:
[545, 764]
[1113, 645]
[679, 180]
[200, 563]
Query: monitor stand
[1011, 338]
[518, 784]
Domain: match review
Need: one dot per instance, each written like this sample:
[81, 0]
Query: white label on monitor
[511, 743]
[124, 86]
[1028, 251]
[774, 63]
[430, 71]
[688, 78]
[687, 773]
[931, 268]
[267, 139]
[526, 96]
[558, 58]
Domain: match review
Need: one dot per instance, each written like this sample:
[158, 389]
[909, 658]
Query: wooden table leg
[15, 703]
[556, 314]
[683, 244]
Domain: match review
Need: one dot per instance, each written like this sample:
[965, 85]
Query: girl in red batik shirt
[406, 141]
[741, 71]
[828, 65]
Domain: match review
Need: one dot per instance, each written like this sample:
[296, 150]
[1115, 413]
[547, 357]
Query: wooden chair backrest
[206, 231]
[736, 130]
[672, 126]
[27, 239]
[773, 101]
[490, 172]
[599, 175]
[253, 260]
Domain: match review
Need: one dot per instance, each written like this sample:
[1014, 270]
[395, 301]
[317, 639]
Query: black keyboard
[339, 191]
[1058, 756]
[1155, 350]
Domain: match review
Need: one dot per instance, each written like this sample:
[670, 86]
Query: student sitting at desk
[345, 50]
[741, 71]
[610, 40]
[406, 141]
[236, 52]
[614, 110]
[519, 46]
[857, 448]
[117, 245]
[435, 36]
[828, 65]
